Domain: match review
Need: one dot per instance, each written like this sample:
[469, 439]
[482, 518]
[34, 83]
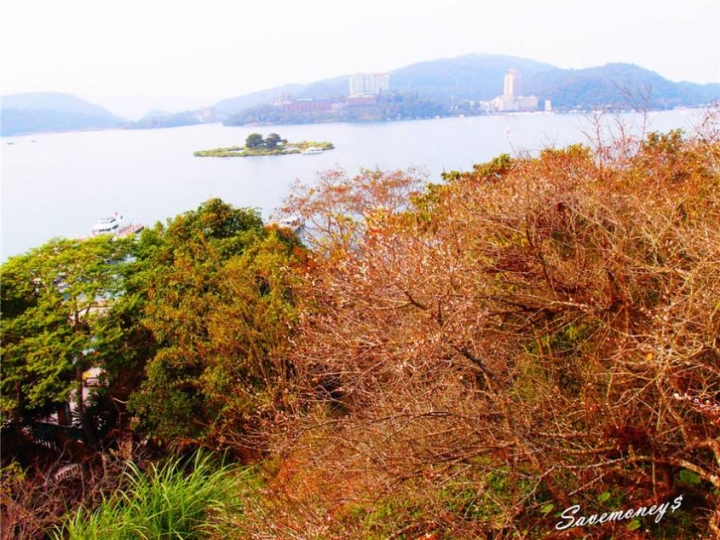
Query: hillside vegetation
[51, 111]
[620, 86]
[455, 360]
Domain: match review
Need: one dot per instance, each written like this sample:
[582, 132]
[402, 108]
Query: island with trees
[272, 145]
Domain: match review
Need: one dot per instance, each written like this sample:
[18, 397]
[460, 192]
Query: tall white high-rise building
[512, 83]
[369, 83]
[512, 98]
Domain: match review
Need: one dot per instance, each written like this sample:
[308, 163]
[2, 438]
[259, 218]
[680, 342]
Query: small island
[272, 145]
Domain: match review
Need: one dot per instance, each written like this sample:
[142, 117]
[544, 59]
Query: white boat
[312, 150]
[108, 225]
[114, 226]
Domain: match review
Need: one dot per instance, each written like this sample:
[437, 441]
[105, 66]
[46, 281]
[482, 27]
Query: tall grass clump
[175, 500]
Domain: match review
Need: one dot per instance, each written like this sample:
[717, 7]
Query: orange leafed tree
[529, 335]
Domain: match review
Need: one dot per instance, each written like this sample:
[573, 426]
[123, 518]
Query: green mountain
[157, 119]
[617, 85]
[51, 111]
[240, 103]
[472, 76]
[468, 77]
[451, 82]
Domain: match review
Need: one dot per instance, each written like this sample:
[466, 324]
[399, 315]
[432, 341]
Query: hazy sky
[132, 55]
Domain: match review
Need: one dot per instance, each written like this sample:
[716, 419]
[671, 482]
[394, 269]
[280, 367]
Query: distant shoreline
[363, 122]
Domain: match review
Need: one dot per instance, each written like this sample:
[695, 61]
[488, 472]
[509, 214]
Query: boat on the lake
[114, 226]
[108, 225]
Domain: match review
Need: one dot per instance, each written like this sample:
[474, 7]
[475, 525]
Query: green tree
[219, 288]
[55, 302]
[272, 141]
[254, 140]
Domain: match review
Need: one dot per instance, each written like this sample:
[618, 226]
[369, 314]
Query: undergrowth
[192, 500]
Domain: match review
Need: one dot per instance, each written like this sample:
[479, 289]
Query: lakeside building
[512, 83]
[308, 105]
[369, 84]
[512, 98]
[208, 114]
[361, 100]
[289, 104]
[366, 90]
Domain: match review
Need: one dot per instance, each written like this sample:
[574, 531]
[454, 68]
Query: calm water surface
[61, 184]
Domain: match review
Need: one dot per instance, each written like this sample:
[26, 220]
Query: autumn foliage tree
[532, 334]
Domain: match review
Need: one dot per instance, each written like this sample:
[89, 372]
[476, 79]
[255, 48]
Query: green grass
[172, 501]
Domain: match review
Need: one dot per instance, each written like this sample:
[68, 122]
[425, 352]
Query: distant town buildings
[308, 105]
[365, 90]
[512, 98]
[208, 114]
[361, 100]
[373, 84]
[289, 104]
[283, 99]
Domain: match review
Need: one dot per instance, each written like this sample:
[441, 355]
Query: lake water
[61, 184]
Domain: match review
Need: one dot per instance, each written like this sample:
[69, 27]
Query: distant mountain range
[440, 87]
[619, 85]
[52, 111]
[480, 77]
[476, 76]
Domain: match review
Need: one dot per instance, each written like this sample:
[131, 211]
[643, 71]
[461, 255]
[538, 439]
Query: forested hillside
[500, 353]
[451, 82]
[623, 86]
[51, 111]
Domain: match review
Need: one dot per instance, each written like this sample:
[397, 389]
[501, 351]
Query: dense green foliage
[219, 303]
[55, 322]
[272, 141]
[253, 141]
[189, 323]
